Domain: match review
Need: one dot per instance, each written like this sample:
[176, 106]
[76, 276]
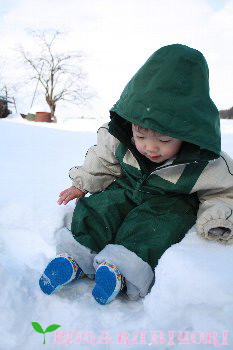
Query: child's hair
[139, 128]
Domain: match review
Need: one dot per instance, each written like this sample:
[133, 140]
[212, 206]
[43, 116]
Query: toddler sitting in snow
[156, 171]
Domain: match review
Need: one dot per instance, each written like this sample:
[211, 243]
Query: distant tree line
[4, 111]
[226, 113]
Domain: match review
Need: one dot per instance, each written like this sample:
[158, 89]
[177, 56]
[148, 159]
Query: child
[157, 169]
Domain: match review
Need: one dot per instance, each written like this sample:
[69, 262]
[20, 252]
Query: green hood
[170, 94]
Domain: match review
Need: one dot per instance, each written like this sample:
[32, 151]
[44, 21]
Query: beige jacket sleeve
[215, 192]
[100, 166]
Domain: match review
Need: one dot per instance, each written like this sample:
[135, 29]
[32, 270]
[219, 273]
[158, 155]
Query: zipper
[174, 165]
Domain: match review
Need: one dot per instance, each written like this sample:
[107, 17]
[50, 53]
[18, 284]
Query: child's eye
[141, 137]
[165, 141]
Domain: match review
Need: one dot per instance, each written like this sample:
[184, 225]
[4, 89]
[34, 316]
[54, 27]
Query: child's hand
[69, 194]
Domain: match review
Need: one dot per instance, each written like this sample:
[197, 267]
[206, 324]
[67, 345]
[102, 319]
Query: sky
[116, 37]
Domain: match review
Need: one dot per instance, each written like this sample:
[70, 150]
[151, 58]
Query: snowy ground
[190, 304]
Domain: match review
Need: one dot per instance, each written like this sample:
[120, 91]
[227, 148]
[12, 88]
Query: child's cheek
[139, 147]
[168, 153]
[140, 150]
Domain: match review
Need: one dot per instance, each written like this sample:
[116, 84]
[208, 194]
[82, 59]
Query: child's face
[155, 146]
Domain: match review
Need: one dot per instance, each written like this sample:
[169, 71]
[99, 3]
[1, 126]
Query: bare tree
[7, 92]
[58, 74]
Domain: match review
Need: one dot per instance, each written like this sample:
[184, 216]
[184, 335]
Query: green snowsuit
[140, 211]
[138, 208]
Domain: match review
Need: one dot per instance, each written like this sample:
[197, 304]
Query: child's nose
[152, 147]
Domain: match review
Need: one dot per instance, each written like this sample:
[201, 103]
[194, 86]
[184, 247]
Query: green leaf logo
[37, 327]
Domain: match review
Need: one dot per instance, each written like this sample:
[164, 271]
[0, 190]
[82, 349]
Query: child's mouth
[153, 157]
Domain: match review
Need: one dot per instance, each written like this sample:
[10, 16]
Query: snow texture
[190, 304]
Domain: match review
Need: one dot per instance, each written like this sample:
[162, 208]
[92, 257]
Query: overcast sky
[117, 37]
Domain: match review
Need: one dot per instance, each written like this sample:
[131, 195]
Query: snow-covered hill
[190, 304]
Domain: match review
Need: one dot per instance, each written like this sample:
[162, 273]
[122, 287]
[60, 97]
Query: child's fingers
[63, 192]
[60, 201]
[68, 196]
[67, 200]
[62, 198]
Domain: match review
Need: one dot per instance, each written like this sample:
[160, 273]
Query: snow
[191, 299]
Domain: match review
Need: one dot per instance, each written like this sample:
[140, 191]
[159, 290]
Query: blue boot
[59, 272]
[108, 283]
